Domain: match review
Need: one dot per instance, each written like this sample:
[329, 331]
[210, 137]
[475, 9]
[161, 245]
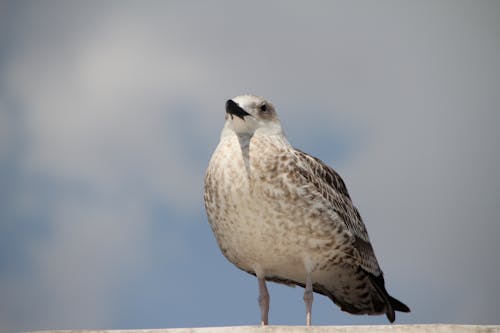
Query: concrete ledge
[434, 328]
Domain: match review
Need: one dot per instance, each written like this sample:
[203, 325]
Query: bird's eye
[263, 108]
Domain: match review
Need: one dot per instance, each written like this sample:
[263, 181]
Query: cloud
[100, 115]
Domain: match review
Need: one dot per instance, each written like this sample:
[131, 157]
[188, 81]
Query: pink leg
[263, 301]
[308, 299]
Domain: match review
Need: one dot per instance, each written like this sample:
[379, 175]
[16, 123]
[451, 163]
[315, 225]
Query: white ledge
[425, 328]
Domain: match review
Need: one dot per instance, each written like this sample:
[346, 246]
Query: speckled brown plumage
[285, 216]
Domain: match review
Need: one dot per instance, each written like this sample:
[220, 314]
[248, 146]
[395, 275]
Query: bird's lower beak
[233, 109]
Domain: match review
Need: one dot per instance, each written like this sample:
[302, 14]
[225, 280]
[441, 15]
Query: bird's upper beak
[233, 109]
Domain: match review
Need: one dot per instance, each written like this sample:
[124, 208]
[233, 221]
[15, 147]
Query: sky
[110, 110]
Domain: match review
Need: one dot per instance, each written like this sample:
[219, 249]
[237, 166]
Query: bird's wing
[331, 186]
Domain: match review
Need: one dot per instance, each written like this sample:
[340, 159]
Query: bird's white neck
[269, 130]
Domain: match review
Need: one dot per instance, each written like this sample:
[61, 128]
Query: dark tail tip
[395, 306]
[392, 305]
[391, 316]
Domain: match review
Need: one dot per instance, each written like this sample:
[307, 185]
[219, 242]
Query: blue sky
[109, 112]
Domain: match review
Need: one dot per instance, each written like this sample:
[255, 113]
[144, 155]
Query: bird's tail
[391, 303]
[394, 305]
[398, 305]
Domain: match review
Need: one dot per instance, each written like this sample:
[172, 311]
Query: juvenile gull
[285, 216]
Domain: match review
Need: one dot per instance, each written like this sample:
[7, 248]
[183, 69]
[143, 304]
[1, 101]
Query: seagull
[285, 216]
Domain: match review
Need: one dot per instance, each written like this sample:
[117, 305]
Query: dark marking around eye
[263, 107]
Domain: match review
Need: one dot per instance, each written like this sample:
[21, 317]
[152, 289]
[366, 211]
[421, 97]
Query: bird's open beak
[233, 109]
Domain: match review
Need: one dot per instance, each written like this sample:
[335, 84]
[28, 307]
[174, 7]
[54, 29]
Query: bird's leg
[308, 298]
[263, 301]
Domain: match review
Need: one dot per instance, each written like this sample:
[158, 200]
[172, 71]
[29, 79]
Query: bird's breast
[256, 211]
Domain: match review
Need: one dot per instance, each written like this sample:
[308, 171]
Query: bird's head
[252, 115]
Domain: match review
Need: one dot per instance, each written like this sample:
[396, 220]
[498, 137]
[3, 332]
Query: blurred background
[110, 110]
